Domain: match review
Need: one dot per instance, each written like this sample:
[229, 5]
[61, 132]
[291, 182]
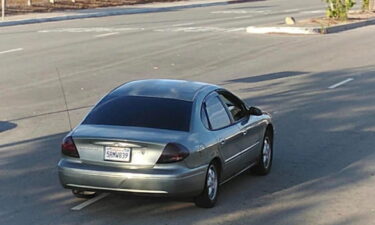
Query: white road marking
[182, 24]
[11, 50]
[200, 29]
[106, 35]
[242, 17]
[89, 202]
[291, 10]
[219, 19]
[242, 12]
[230, 12]
[340, 83]
[236, 29]
[92, 29]
[313, 12]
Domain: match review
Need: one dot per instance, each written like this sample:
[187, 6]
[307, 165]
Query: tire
[83, 194]
[208, 198]
[264, 163]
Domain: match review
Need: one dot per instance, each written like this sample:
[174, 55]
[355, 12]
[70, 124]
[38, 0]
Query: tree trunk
[3, 4]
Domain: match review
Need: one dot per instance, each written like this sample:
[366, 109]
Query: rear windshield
[161, 113]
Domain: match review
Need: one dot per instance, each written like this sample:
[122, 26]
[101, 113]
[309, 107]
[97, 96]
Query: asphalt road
[320, 90]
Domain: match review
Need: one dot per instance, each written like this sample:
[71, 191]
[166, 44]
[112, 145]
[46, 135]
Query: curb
[308, 30]
[114, 12]
[283, 30]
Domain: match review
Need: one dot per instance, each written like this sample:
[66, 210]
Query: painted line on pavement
[106, 35]
[232, 12]
[242, 17]
[340, 83]
[89, 202]
[291, 10]
[237, 29]
[313, 12]
[182, 24]
[92, 29]
[242, 12]
[200, 29]
[11, 50]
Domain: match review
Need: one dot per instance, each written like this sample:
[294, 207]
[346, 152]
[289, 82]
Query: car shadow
[265, 77]
[5, 125]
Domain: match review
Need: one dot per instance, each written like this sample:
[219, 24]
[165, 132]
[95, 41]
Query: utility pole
[2, 10]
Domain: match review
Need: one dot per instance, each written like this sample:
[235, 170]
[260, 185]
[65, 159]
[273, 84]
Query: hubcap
[212, 182]
[267, 151]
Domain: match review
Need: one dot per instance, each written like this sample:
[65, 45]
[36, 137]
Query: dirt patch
[15, 7]
[355, 16]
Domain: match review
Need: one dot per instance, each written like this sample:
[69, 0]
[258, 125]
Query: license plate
[117, 154]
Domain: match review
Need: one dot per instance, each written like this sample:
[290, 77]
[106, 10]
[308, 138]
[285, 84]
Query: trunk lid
[145, 144]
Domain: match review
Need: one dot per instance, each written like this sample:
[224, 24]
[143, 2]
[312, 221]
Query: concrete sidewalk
[109, 11]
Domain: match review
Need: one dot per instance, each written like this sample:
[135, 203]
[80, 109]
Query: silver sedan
[166, 137]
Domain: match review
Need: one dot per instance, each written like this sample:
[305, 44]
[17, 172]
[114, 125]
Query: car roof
[162, 88]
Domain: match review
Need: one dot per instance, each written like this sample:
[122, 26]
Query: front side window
[139, 111]
[234, 105]
[217, 115]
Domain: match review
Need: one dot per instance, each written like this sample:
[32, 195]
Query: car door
[227, 133]
[249, 138]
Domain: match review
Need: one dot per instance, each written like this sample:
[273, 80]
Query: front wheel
[264, 164]
[208, 197]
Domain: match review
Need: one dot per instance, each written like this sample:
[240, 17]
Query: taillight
[173, 152]
[68, 147]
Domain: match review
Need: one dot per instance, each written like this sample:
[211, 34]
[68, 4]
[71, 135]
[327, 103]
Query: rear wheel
[264, 164]
[83, 194]
[208, 197]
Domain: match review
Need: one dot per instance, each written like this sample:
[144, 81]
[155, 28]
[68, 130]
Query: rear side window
[217, 115]
[138, 111]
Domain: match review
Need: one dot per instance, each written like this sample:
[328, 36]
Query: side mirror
[255, 111]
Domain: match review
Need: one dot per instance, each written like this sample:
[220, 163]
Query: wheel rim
[267, 151]
[212, 182]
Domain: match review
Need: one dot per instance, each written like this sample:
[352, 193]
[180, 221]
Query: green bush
[338, 9]
[365, 5]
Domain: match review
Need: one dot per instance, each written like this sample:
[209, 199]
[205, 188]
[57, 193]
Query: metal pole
[2, 10]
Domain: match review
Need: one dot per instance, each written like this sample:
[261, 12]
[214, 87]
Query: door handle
[222, 141]
[244, 132]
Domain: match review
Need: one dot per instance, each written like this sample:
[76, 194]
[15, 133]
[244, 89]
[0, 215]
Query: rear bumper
[155, 181]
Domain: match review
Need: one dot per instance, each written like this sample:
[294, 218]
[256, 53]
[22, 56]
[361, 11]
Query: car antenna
[63, 92]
